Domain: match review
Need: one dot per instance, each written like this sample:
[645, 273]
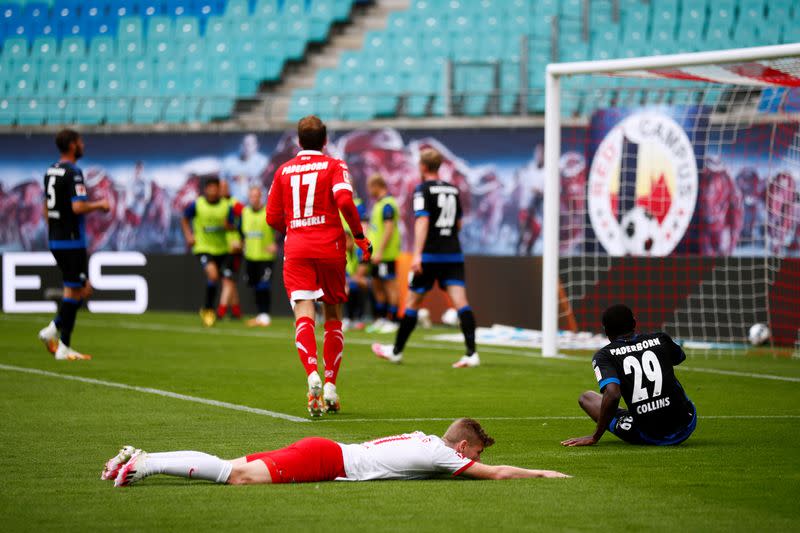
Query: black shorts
[624, 426]
[447, 274]
[232, 265]
[74, 266]
[218, 260]
[385, 270]
[259, 273]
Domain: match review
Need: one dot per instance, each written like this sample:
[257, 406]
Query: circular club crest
[643, 186]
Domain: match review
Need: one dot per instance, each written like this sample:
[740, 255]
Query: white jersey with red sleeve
[302, 193]
[407, 456]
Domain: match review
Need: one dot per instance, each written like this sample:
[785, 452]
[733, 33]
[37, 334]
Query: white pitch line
[487, 349]
[290, 418]
[545, 418]
[157, 392]
[739, 374]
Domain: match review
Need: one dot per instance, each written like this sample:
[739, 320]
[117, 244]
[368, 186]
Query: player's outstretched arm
[81, 207]
[608, 407]
[482, 471]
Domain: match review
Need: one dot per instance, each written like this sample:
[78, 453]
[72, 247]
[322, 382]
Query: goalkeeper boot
[331, 398]
[65, 353]
[468, 361]
[111, 469]
[132, 471]
[316, 404]
[386, 351]
[49, 336]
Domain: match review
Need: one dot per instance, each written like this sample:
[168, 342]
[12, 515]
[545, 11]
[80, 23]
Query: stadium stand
[143, 61]
[400, 71]
[176, 61]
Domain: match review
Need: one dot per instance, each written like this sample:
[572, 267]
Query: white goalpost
[690, 194]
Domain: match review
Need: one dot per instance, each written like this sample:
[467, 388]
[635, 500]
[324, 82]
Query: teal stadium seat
[102, 48]
[8, 114]
[31, 112]
[72, 47]
[52, 79]
[266, 9]
[322, 16]
[146, 110]
[118, 110]
[56, 111]
[302, 104]
[89, 111]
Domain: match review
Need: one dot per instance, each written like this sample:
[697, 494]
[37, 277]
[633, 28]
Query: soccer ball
[638, 231]
[450, 317]
[758, 334]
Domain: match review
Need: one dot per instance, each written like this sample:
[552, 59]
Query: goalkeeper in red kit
[307, 194]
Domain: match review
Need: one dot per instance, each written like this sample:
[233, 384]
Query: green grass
[733, 474]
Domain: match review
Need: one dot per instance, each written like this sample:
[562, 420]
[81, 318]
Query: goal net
[672, 185]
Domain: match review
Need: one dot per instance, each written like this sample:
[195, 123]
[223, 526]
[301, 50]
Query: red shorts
[305, 461]
[315, 279]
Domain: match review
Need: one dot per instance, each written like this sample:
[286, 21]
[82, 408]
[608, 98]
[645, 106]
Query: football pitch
[160, 382]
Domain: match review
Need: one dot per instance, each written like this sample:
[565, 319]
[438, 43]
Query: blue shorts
[624, 426]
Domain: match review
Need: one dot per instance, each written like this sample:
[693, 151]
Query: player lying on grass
[639, 369]
[310, 460]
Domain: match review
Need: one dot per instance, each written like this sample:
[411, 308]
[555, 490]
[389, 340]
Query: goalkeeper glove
[364, 245]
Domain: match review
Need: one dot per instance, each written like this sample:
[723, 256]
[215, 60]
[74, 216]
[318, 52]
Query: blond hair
[431, 159]
[377, 179]
[467, 429]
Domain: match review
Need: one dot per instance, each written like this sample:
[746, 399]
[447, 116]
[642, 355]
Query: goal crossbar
[674, 66]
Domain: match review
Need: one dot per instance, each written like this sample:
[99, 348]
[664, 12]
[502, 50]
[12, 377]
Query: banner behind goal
[678, 194]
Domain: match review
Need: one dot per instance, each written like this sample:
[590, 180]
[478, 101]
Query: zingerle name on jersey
[638, 347]
[643, 186]
[305, 222]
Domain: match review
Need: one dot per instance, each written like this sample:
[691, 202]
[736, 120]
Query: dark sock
[380, 310]
[407, 325]
[211, 295]
[392, 313]
[467, 321]
[57, 321]
[263, 299]
[68, 312]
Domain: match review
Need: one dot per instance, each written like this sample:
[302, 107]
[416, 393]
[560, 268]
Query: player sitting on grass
[638, 368]
[310, 460]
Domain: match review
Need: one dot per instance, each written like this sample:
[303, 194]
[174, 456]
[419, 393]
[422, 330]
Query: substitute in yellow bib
[259, 252]
[204, 224]
[384, 233]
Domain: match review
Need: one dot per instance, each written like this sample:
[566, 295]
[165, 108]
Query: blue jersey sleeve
[362, 211]
[190, 211]
[388, 212]
[604, 370]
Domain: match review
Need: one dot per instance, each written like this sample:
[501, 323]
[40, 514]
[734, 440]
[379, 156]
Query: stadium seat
[56, 111]
[237, 9]
[8, 113]
[31, 112]
[322, 15]
[52, 80]
[175, 110]
[294, 9]
[15, 48]
[118, 110]
[89, 111]
[101, 48]
[186, 29]
[266, 9]
[302, 104]
[146, 110]
[178, 8]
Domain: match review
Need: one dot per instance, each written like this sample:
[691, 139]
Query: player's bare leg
[207, 314]
[394, 353]
[458, 295]
[306, 342]
[332, 350]
[590, 402]
[252, 473]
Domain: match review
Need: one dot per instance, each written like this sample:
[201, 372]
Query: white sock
[188, 464]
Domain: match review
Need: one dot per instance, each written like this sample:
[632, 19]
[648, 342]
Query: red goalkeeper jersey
[302, 203]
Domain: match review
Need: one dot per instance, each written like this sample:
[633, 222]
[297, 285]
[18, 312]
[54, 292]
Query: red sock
[221, 310]
[306, 343]
[332, 348]
[236, 311]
